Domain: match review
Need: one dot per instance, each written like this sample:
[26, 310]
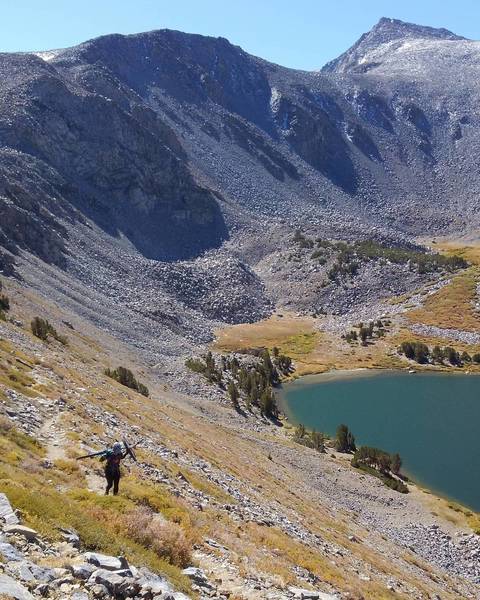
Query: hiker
[113, 457]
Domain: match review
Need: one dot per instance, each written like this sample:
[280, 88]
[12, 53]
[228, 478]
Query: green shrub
[42, 329]
[415, 351]
[4, 304]
[127, 378]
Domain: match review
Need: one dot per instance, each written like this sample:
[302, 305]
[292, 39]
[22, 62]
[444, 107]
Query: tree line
[422, 354]
[349, 256]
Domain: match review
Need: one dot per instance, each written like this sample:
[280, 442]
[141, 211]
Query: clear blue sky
[296, 33]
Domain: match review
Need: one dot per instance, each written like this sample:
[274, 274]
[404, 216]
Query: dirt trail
[54, 438]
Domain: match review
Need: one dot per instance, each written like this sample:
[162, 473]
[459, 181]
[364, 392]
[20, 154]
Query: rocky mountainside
[218, 505]
[153, 178]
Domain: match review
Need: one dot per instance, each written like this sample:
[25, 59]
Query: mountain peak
[385, 31]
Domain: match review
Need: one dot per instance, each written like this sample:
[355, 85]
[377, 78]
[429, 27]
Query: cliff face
[81, 155]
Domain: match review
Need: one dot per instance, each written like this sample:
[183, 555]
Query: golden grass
[270, 332]
[312, 351]
[470, 252]
[451, 307]
[103, 522]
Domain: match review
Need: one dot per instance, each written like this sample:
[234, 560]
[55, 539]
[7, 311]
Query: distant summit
[385, 31]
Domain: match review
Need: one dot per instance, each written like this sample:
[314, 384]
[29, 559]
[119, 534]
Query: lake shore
[399, 412]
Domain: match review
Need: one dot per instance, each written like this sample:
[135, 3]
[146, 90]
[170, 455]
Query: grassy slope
[57, 495]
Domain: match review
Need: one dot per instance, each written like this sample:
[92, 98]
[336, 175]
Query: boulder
[9, 552]
[9, 588]
[310, 594]
[103, 561]
[71, 536]
[100, 591]
[42, 590]
[196, 575]
[107, 578]
[117, 584]
[29, 534]
[7, 514]
[82, 571]
[21, 571]
[79, 596]
[152, 585]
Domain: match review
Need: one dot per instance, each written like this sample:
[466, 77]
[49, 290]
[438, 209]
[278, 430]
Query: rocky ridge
[157, 174]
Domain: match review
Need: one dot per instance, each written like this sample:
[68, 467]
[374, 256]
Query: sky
[303, 34]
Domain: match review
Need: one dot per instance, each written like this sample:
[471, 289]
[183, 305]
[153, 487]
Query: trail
[53, 436]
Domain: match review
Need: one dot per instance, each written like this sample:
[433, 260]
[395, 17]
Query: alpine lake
[431, 420]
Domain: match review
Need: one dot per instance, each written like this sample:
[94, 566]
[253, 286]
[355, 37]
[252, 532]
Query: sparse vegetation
[311, 439]
[252, 381]
[374, 330]
[127, 378]
[346, 258]
[206, 367]
[380, 464]
[126, 525]
[42, 329]
[4, 303]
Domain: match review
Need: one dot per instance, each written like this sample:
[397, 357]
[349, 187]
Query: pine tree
[267, 403]
[396, 463]
[363, 335]
[318, 441]
[437, 355]
[4, 300]
[243, 379]
[345, 441]
[233, 393]
[267, 365]
[299, 432]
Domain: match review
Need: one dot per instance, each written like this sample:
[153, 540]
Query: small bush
[166, 539]
[4, 304]
[42, 329]
[127, 378]
[380, 464]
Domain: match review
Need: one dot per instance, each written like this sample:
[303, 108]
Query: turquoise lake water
[432, 420]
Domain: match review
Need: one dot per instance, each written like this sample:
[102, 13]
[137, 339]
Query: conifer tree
[345, 441]
[233, 393]
[396, 463]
